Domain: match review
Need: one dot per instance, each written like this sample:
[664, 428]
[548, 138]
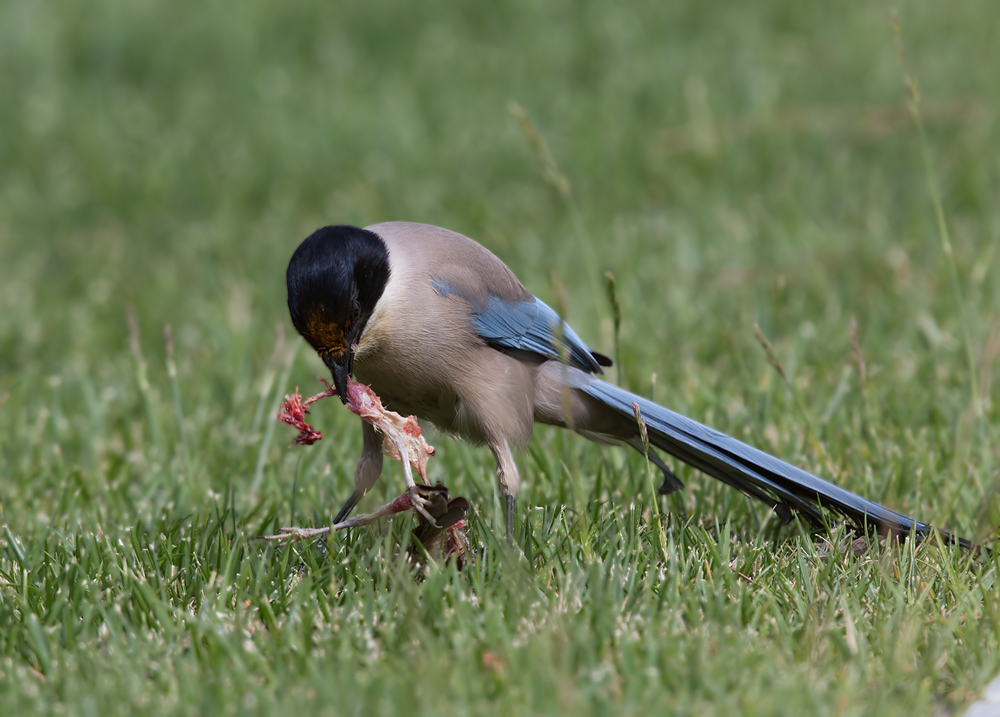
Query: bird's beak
[341, 366]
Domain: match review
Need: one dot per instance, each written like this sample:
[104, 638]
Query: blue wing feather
[529, 325]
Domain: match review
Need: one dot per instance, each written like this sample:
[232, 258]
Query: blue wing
[530, 326]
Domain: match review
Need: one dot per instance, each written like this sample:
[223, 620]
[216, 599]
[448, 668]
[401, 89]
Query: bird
[440, 328]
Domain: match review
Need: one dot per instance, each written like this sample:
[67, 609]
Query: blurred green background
[732, 165]
[748, 164]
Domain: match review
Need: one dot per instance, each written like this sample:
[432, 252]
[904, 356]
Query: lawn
[739, 166]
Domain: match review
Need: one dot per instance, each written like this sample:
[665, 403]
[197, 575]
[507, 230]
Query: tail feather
[759, 475]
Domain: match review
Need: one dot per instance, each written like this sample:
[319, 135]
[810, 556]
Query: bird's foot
[420, 503]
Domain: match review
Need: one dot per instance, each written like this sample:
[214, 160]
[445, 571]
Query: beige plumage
[440, 328]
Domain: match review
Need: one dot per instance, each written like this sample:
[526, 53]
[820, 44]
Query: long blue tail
[781, 485]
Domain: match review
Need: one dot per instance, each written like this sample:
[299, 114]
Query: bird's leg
[368, 471]
[509, 480]
[510, 520]
[345, 511]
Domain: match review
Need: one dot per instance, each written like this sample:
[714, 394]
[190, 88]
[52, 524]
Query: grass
[731, 167]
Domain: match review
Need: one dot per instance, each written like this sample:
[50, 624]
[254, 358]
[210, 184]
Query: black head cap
[335, 278]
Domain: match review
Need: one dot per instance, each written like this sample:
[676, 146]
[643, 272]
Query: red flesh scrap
[397, 432]
[293, 411]
[362, 401]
